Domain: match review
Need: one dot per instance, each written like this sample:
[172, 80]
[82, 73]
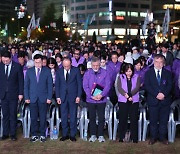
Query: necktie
[38, 74]
[158, 77]
[7, 70]
[67, 76]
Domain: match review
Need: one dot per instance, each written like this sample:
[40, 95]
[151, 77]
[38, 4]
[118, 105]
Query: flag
[6, 27]
[31, 26]
[146, 22]
[86, 23]
[37, 22]
[93, 18]
[166, 22]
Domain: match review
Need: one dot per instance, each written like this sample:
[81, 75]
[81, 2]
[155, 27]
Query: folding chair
[173, 122]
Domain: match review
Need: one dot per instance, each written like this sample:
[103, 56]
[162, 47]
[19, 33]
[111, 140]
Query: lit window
[101, 14]
[120, 13]
[133, 14]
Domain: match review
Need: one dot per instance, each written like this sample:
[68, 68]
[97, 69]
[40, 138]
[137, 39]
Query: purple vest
[75, 63]
[102, 78]
[123, 79]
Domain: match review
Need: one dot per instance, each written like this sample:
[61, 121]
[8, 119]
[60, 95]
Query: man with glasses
[77, 58]
[38, 88]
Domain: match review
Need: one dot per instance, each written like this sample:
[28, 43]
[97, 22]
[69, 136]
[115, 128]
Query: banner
[166, 21]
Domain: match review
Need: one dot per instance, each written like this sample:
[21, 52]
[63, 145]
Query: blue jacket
[153, 88]
[70, 89]
[14, 83]
[41, 90]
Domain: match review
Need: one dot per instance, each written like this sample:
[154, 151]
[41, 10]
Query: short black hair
[82, 67]
[165, 45]
[6, 54]
[38, 56]
[44, 58]
[21, 54]
[137, 61]
[114, 53]
[58, 55]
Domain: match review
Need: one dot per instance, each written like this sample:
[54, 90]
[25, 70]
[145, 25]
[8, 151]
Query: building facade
[6, 9]
[119, 17]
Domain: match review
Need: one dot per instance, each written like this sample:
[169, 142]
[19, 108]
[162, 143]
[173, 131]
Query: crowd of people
[87, 74]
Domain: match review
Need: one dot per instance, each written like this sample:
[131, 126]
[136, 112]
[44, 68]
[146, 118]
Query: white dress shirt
[156, 71]
[65, 73]
[9, 68]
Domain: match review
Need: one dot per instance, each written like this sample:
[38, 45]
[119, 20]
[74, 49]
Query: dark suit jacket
[41, 90]
[153, 88]
[14, 83]
[169, 58]
[70, 89]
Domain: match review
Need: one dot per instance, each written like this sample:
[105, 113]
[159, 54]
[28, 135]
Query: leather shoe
[64, 138]
[13, 138]
[73, 139]
[152, 141]
[4, 137]
[165, 142]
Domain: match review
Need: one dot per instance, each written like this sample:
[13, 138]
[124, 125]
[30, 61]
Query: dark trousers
[38, 110]
[100, 109]
[128, 110]
[113, 96]
[9, 110]
[159, 114]
[69, 109]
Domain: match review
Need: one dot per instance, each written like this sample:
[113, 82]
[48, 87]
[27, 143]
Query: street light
[12, 19]
[29, 17]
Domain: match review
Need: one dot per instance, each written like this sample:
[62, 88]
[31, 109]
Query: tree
[76, 37]
[49, 32]
[49, 15]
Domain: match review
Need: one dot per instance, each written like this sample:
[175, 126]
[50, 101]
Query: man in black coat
[11, 90]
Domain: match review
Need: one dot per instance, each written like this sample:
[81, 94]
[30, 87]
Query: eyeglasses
[76, 53]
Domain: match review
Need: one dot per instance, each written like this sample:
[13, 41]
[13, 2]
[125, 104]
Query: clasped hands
[97, 97]
[128, 98]
[160, 96]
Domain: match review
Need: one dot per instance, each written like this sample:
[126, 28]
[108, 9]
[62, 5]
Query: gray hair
[95, 59]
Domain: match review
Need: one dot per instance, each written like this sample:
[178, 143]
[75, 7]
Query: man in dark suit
[11, 89]
[38, 87]
[167, 54]
[158, 84]
[68, 92]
